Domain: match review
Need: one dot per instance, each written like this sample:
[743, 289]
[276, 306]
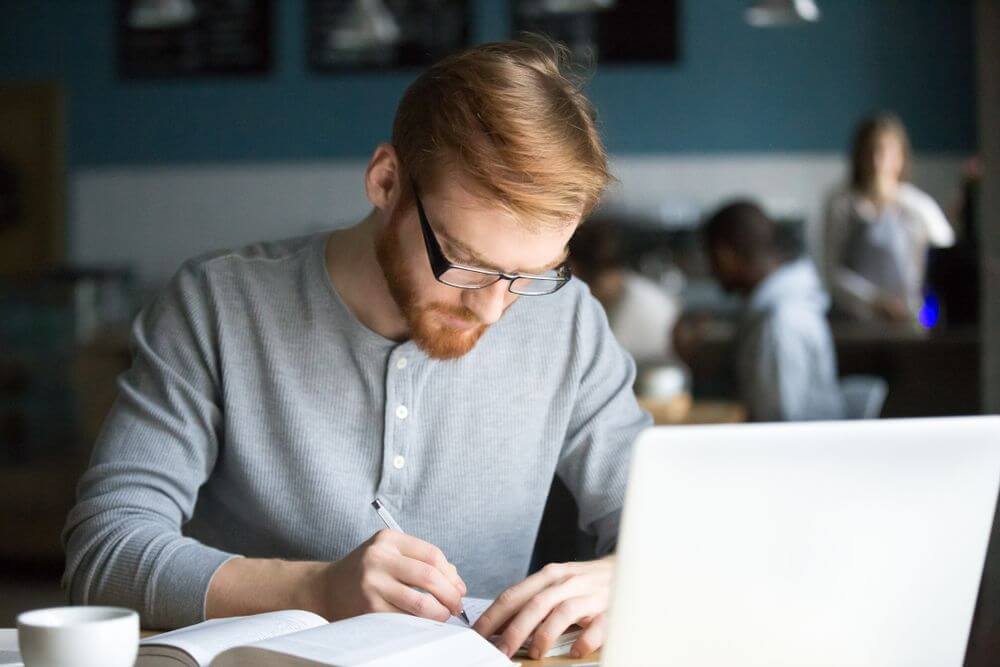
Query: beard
[426, 322]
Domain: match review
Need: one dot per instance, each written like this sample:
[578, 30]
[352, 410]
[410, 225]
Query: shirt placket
[399, 425]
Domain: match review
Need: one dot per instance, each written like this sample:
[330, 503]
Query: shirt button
[401, 363]
[398, 462]
[402, 412]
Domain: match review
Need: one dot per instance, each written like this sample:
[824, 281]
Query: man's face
[726, 267]
[444, 321]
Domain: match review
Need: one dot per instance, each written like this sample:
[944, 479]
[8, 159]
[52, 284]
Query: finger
[536, 610]
[511, 600]
[566, 613]
[426, 577]
[591, 639]
[414, 547]
[414, 602]
[381, 604]
[376, 593]
[457, 580]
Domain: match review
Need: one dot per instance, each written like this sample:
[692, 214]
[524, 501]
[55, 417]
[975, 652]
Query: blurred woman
[878, 229]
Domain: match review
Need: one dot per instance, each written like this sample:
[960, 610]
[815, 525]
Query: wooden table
[595, 657]
[682, 410]
[716, 412]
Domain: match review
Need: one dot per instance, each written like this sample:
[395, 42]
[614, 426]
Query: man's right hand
[380, 575]
[688, 337]
[383, 574]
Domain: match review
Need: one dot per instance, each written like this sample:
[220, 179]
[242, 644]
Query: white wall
[154, 217]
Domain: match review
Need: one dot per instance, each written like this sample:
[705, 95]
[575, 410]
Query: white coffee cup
[78, 637]
[662, 382]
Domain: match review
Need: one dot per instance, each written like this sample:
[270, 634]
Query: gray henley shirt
[260, 418]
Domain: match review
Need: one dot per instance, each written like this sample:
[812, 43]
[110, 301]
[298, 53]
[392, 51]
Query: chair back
[864, 396]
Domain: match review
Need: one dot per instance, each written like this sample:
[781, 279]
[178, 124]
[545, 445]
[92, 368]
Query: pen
[387, 519]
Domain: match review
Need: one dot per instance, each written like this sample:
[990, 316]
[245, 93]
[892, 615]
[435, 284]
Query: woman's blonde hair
[510, 118]
[863, 148]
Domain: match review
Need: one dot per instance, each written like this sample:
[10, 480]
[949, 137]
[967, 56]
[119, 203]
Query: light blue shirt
[786, 364]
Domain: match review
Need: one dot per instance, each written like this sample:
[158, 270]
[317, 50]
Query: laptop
[847, 544]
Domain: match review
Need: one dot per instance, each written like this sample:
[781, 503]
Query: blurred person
[641, 314]
[436, 355]
[877, 229]
[786, 364]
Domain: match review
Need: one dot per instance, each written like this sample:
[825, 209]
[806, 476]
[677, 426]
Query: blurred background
[137, 133]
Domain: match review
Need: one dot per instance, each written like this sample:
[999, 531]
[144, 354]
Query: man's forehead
[464, 254]
[491, 236]
[457, 194]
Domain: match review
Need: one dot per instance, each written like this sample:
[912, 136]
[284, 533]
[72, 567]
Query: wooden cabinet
[32, 177]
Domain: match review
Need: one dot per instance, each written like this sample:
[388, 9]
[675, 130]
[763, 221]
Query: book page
[474, 608]
[9, 655]
[372, 640]
[200, 643]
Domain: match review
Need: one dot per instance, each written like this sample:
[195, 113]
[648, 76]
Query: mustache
[459, 312]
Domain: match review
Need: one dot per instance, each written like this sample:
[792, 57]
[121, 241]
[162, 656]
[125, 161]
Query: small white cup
[662, 382]
[78, 637]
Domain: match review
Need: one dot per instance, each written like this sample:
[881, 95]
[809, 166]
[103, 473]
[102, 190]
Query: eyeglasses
[471, 277]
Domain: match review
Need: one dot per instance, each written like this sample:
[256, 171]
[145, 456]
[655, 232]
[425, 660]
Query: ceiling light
[772, 13]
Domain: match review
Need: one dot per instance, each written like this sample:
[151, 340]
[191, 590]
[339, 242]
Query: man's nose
[488, 302]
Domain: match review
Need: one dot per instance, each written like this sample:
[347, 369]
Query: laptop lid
[838, 543]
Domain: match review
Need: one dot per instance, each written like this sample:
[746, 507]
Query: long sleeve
[605, 422]
[922, 207]
[123, 538]
[781, 385]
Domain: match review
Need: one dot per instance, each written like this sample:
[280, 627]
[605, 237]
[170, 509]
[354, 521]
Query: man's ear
[383, 177]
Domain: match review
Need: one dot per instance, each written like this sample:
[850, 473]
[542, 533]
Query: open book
[303, 639]
[475, 607]
[9, 653]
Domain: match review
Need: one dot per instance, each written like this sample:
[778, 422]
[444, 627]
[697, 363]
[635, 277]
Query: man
[786, 363]
[435, 355]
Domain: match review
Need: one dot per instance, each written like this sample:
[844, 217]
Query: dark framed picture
[346, 35]
[605, 31]
[178, 38]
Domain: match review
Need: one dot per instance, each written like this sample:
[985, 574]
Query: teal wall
[735, 88]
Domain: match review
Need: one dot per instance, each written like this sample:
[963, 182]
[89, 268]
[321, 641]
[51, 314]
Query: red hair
[509, 118]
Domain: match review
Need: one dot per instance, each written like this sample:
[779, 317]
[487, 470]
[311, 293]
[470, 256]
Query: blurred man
[786, 363]
[436, 355]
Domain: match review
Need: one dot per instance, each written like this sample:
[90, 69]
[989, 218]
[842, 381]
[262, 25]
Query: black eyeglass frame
[441, 264]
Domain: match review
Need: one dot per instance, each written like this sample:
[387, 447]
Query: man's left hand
[547, 603]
